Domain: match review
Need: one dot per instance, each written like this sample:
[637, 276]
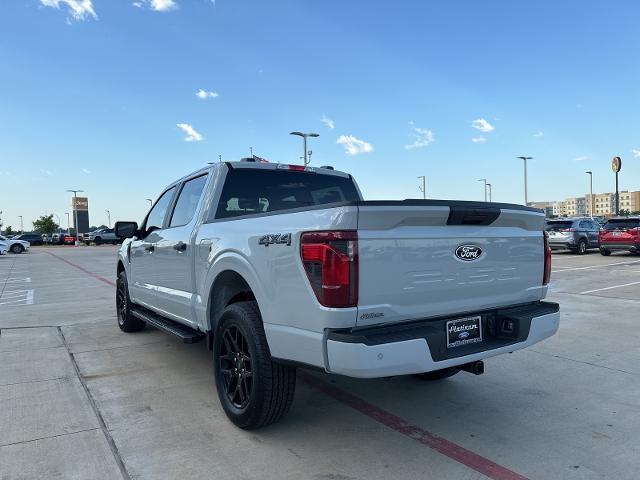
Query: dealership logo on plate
[468, 252]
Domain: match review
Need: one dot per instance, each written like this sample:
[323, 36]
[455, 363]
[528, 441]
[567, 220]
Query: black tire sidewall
[582, 247]
[17, 248]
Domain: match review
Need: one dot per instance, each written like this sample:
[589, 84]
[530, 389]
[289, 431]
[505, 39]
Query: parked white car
[14, 245]
[4, 248]
[279, 266]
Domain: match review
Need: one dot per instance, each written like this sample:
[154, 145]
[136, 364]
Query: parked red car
[69, 239]
[620, 234]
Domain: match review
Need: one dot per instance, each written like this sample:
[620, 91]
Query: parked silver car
[576, 234]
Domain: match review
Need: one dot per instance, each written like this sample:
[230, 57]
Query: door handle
[180, 246]
[149, 248]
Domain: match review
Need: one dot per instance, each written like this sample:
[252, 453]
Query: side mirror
[126, 229]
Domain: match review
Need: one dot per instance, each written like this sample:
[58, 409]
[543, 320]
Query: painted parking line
[441, 445]
[569, 269]
[17, 297]
[82, 269]
[609, 288]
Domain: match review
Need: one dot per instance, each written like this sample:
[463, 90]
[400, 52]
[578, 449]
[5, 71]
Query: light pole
[590, 173]
[423, 189]
[75, 213]
[485, 187]
[489, 185]
[525, 178]
[304, 139]
[21, 225]
[150, 202]
[68, 224]
[108, 218]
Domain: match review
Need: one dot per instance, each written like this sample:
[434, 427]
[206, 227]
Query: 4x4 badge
[275, 239]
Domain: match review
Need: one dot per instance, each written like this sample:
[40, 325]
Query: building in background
[604, 205]
[547, 207]
[80, 207]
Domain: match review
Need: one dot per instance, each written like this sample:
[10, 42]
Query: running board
[188, 335]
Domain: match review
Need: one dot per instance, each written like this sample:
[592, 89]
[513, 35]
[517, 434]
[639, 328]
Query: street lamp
[489, 185]
[485, 187]
[21, 225]
[68, 224]
[75, 213]
[590, 173]
[525, 177]
[423, 189]
[304, 139]
[108, 217]
[150, 201]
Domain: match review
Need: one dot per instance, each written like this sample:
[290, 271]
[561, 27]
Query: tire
[582, 247]
[438, 374]
[265, 393]
[127, 322]
[17, 248]
[604, 252]
[97, 241]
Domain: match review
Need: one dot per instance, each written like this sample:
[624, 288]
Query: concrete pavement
[80, 399]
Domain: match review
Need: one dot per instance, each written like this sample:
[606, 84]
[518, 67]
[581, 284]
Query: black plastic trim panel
[434, 331]
[186, 334]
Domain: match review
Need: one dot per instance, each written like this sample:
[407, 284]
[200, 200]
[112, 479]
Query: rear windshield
[249, 191]
[558, 225]
[621, 224]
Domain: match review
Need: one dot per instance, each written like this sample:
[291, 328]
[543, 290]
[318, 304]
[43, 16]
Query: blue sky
[92, 93]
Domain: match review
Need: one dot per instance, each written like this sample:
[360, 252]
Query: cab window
[188, 201]
[155, 219]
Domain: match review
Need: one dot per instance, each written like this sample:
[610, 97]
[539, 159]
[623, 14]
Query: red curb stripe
[84, 270]
[453, 451]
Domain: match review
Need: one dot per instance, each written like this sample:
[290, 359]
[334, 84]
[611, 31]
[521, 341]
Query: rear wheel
[604, 252]
[17, 248]
[253, 389]
[438, 374]
[127, 322]
[98, 240]
[582, 247]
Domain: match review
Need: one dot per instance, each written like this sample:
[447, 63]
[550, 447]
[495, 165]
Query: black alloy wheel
[235, 367]
[126, 321]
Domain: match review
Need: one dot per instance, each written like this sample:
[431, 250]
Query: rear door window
[251, 191]
[188, 201]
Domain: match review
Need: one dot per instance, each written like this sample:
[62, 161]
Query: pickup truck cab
[279, 266]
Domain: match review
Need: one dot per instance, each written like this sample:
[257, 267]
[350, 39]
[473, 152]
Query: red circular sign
[616, 164]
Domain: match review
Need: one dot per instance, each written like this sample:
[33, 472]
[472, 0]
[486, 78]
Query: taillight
[331, 262]
[547, 260]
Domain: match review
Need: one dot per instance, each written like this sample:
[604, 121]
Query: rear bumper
[634, 247]
[559, 244]
[421, 346]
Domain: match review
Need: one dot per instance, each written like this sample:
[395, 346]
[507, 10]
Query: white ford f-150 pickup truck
[278, 266]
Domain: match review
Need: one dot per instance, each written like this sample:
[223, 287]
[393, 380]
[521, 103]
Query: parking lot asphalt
[80, 399]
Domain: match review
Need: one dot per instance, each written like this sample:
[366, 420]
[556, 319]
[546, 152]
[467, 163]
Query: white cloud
[192, 135]
[636, 153]
[353, 145]
[204, 94]
[78, 9]
[538, 134]
[482, 125]
[157, 5]
[328, 122]
[421, 137]
[479, 139]
[48, 173]
[581, 158]
[87, 171]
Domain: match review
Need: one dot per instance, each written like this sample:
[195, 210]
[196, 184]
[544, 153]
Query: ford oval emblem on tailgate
[468, 252]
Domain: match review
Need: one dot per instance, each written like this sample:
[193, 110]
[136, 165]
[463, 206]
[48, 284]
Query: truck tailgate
[409, 268]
